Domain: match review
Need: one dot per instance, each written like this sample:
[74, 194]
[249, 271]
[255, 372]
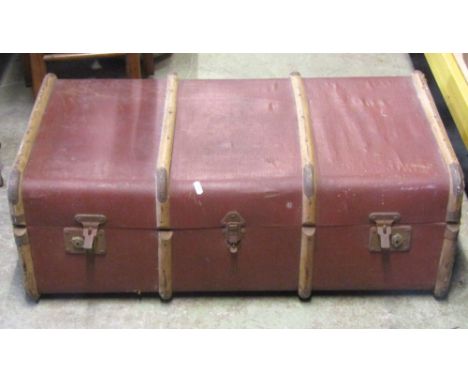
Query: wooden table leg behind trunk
[26, 69]
[38, 70]
[148, 63]
[133, 65]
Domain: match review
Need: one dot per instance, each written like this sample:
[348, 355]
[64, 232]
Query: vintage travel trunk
[287, 184]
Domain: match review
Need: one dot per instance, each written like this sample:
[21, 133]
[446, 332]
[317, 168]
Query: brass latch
[89, 239]
[233, 225]
[385, 236]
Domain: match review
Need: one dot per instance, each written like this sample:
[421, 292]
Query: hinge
[233, 224]
[86, 240]
[385, 236]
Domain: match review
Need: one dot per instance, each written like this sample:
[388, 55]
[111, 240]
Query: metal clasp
[385, 236]
[89, 239]
[233, 224]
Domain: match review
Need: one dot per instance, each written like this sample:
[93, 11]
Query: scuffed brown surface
[96, 151]
[374, 152]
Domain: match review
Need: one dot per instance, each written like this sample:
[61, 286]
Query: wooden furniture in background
[450, 71]
[36, 65]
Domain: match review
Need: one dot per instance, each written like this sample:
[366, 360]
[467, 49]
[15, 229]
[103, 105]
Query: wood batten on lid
[163, 170]
[166, 143]
[307, 149]
[446, 150]
[308, 186]
[15, 192]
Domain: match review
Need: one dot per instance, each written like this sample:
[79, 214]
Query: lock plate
[384, 236]
[402, 243]
[233, 224]
[88, 239]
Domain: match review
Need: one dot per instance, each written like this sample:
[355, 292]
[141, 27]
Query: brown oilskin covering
[96, 153]
[239, 139]
[375, 152]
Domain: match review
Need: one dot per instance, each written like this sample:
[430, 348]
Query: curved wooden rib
[308, 186]
[15, 192]
[307, 149]
[165, 153]
[446, 150]
[456, 185]
[163, 169]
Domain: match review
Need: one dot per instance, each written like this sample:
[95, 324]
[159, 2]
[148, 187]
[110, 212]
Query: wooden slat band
[166, 143]
[308, 186]
[24, 251]
[447, 256]
[15, 192]
[163, 169]
[453, 167]
[447, 260]
[307, 149]
[165, 264]
[306, 262]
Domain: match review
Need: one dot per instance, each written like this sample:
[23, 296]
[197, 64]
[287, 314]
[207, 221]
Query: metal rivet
[77, 241]
[397, 240]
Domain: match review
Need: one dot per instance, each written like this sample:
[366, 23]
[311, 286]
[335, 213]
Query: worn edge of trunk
[309, 185]
[454, 204]
[15, 192]
[163, 170]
